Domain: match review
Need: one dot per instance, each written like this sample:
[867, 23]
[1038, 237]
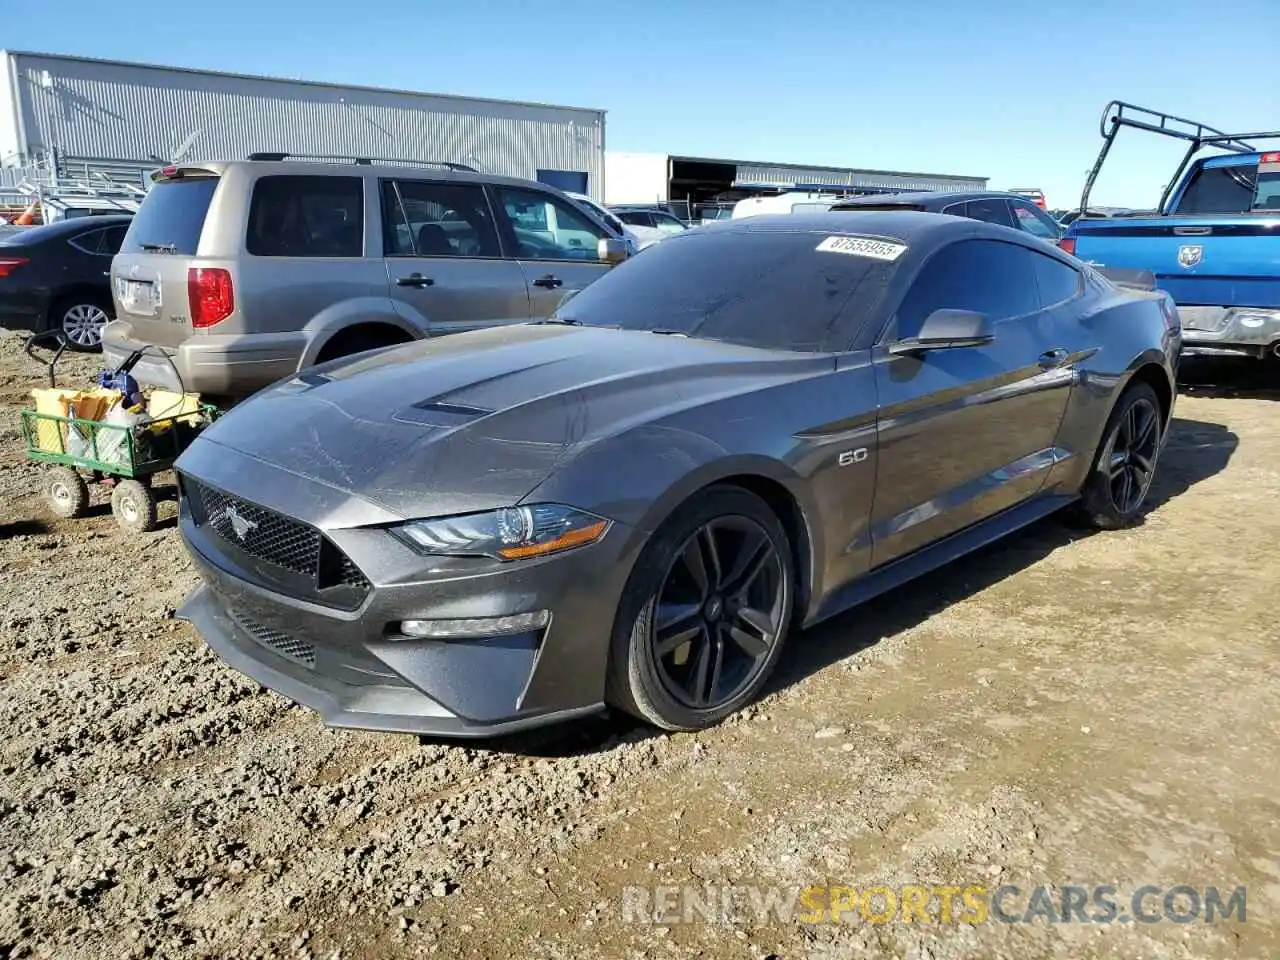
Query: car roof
[912, 227]
[71, 225]
[304, 168]
[928, 198]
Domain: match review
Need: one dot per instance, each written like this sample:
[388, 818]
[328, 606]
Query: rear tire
[81, 318]
[134, 506]
[704, 614]
[66, 492]
[1125, 465]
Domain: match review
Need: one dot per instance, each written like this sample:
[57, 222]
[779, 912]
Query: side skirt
[939, 554]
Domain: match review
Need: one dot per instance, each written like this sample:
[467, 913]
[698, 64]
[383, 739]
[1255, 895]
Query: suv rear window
[306, 216]
[171, 217]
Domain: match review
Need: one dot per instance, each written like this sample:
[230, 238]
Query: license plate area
[141, 297]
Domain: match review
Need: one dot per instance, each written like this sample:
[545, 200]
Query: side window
[437, 219]
[112, 238]
[667, 223]
[957, 210]
[87, 242]
[994, 210]
[1056, 281]
[994, 278]
[1034, 222]
[306, 216]
[546, 229]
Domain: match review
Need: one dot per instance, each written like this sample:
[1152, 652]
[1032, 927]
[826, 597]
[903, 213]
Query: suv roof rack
[1118, 113]
[363, 161]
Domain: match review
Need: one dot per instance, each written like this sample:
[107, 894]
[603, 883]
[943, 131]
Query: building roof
[199, 71]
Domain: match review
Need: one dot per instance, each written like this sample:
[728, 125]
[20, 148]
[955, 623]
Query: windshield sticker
[863, 247]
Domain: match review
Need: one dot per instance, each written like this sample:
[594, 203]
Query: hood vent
[440, 413]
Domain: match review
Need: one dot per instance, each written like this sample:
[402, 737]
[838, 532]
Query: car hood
[477, 420]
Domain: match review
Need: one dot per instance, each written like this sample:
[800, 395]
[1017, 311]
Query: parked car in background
[1213, 241]
[1034, 194]
[1005, 209]
[647, 218]
[55, 277]
[635, 501]
[243, 272]
[795, 202]
[637, 238]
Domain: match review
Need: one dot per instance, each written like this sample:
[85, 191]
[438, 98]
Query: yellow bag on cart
[51, 435]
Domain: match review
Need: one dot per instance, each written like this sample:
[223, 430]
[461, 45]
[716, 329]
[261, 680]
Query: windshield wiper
[561, 321]
[663, 332]
[159, 247]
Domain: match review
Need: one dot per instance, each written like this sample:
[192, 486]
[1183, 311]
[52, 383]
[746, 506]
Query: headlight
[512, 533]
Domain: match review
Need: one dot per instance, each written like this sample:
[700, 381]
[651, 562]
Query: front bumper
[225, 365]
[1230, 331]
[356, 671]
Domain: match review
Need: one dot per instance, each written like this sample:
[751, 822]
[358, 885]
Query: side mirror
[611, 249]
[946, 329]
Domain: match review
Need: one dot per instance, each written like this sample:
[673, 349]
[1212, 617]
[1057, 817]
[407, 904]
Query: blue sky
[997, 88]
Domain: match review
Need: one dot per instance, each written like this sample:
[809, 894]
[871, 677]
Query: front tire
[1124, 467]
[66, 492]
[705, 613]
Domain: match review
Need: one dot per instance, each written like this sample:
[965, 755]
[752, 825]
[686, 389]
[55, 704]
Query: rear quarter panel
[1130, 333]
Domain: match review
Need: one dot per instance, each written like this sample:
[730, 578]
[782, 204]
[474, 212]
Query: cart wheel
[66, 491]
[134, 506]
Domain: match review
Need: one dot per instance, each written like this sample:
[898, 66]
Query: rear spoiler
[1128, 278]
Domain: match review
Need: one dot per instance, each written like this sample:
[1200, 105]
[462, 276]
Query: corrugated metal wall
[88, 109]
[790, 175]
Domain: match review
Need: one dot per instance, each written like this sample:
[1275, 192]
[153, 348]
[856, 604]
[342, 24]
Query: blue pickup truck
[1212, 243]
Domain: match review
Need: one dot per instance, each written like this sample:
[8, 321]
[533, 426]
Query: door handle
[549, 281]
[414, 280]
[1053, 358]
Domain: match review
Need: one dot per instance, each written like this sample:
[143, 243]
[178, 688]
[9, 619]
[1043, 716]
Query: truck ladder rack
[1118, 114]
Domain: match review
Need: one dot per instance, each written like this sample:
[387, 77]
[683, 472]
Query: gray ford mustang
[750, 428]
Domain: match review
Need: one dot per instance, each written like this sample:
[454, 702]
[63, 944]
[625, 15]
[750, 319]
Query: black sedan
[1005, 209]
[55, 277]
[750, 428]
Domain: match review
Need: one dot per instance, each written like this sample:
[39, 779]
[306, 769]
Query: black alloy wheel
[705, 612]
[1131, 455]
[718, 613]
[1114, 493]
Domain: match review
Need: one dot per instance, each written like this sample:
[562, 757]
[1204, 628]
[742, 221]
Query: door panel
[966, 432]
[444, 261]
[554, 242]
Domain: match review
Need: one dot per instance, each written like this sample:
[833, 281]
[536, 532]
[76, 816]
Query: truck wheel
[66, 492]
[134, 506]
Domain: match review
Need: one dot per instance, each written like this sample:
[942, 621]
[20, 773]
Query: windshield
[602, 213]
[773, 290]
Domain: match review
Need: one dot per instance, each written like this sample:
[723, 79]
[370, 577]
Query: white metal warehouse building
[74, 117]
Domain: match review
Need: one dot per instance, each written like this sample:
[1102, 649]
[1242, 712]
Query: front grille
[280, 542]
[262, 533]
[281, 643]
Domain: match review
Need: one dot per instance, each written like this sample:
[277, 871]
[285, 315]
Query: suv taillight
[1068, 244]
[10, 264]
[212, 297]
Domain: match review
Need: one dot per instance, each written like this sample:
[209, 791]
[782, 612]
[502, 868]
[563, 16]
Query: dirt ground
[1058, 710]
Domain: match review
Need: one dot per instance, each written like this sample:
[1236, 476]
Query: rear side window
[990, 211]
[994, 278]
[1055, 280]
[1219, 190]
[171, 218]
[306, 216]
[1034, 222]
[87, 242]
[437, 219]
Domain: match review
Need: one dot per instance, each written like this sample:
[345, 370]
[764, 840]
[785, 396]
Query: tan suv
[239, 273]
